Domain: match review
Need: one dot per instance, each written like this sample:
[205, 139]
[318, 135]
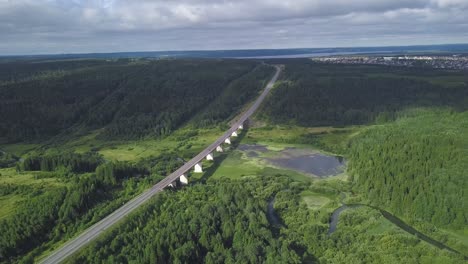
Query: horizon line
[224, 50]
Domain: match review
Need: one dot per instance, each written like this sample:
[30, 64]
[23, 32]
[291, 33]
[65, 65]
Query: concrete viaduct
[181, 174]
[72, 246]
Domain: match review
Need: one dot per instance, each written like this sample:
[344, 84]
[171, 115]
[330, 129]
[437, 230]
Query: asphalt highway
[95, 230]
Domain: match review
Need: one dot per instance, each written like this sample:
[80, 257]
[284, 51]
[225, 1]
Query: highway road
[95, 230]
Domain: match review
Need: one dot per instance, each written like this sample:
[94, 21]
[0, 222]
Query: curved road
[95, 230]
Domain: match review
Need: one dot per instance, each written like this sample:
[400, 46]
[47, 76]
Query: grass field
[328, 139]
[382, 225]
[19, 148]
[235, 165]
[284, 133]
[27, 183]
[461, 234]
[8, 204]
[314, 200]
[9, 176]
[183, 139]
[187, 140]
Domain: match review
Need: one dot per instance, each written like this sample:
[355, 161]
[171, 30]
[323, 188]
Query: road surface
[95, 230]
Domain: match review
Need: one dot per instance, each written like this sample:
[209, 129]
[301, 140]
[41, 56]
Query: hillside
[340, 163]
[55, 190]
[128, 99]
[315, 94]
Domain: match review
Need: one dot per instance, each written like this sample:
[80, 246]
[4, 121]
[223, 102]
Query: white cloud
[51, 26]
[450, 3]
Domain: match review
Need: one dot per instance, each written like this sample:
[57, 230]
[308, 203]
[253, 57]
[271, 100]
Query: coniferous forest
[79, 138]
[338, 95]
[416, 167]
[129, 100]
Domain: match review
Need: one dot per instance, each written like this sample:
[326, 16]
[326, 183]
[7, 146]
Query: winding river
[393, 219]
[335, 216]
[276, 222]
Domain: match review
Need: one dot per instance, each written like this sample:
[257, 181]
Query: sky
[84, 26]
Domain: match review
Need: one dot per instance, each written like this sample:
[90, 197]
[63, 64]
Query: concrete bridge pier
[227, 141]
[183, 179]
[241, 126]
[219, 149]
[198, 168]
[234, 134]
[209, 156]
[173, 184]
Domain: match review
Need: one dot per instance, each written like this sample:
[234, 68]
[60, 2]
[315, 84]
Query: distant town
[455, 62]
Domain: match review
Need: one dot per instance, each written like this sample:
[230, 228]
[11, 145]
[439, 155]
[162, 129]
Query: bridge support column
[198, 168]
[209, 156]
[234, 134]
[227, 141]
[219, 149]
[241, 126]
[183, 179]
[172, 184]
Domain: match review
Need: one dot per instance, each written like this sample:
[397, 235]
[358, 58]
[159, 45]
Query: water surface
[310, 162]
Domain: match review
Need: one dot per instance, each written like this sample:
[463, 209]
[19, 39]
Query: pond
[309, 161]
[303, 160]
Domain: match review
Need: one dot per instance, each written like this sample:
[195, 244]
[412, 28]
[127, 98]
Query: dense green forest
[129, 100]
[412, 161]
[105, 130]
[91, 190]
[56, 192]
[222, 222]
[322, 94]
[416, 167]
[226, 221]
[234, 97]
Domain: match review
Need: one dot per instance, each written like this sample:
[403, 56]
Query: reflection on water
[317, 164]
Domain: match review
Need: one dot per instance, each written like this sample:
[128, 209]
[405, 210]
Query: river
[394, 220]
[273, 218]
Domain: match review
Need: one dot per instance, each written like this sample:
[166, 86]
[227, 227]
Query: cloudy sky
[74, 26]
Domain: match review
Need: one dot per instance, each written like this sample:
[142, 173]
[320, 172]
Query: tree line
[74, 162]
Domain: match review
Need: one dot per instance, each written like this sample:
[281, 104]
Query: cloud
[56, 26]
